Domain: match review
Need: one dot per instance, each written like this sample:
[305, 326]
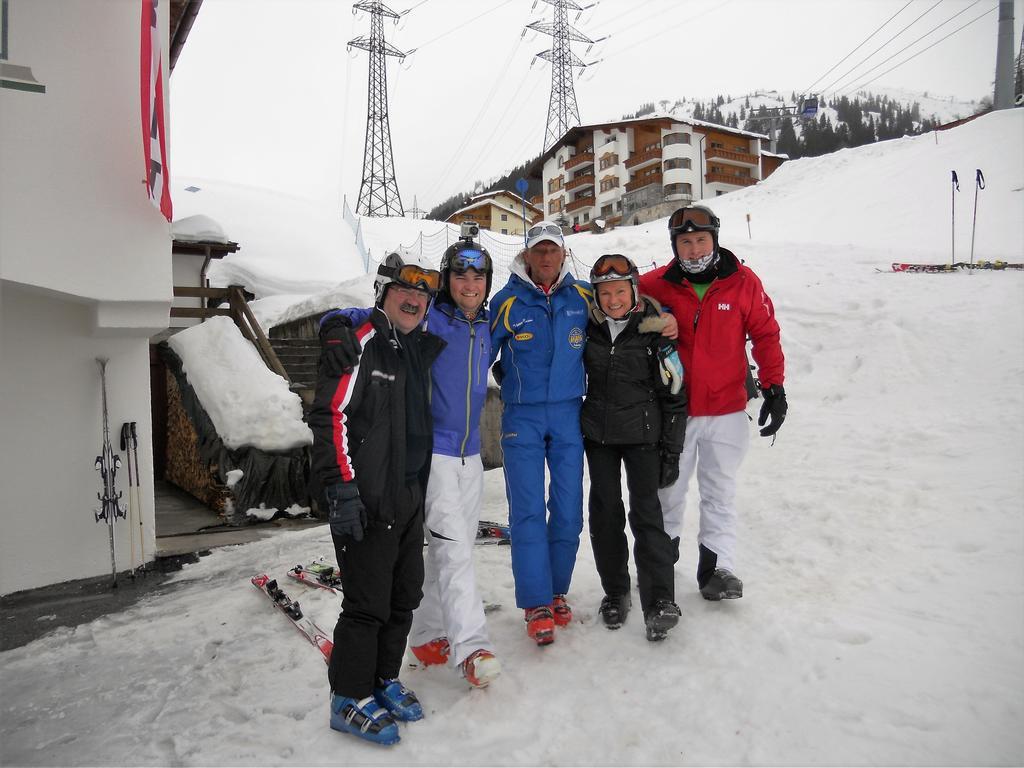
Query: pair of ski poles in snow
[979, 183]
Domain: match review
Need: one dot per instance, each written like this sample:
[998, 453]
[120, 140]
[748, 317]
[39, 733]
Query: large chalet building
[498, 211]
[632, 171]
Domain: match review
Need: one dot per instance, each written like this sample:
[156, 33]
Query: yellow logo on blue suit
[576, 338]
[526, 336]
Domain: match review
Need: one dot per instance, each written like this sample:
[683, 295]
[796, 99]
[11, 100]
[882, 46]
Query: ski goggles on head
[416, 277]
[544, 231]
[695, 218]
[471, 258]
[612, 266]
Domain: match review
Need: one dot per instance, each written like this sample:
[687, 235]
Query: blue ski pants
[545, 537]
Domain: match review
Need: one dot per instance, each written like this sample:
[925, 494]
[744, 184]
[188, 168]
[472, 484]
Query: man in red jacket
[718, 303]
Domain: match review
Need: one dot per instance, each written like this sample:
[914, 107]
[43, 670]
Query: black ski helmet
[694, 218]
[409, 271]
[464, 255]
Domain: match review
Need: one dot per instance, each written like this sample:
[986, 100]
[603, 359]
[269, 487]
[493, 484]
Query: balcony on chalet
[643, 181]
[581, 182]
[730, 156]
[581, 159]
[641, 159]
[728, 178]
[580, 202]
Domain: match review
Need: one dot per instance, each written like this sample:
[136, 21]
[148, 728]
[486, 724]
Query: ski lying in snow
[956, 267]
[488, 532]
[318, 574]
[290, 608]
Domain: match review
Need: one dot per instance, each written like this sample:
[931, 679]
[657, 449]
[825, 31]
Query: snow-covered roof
[198, 229]
[495, 193]
[471, 206]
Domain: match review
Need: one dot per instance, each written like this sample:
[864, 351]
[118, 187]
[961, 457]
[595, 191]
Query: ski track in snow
[881, 546]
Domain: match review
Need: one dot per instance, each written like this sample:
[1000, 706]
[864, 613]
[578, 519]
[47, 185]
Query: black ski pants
[654, 552]
[382, 581]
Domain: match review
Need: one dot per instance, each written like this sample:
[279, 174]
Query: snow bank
[248, 403]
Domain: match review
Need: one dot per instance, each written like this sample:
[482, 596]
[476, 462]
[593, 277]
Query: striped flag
[154, 135]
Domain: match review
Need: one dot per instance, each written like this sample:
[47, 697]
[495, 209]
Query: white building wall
[85, 271]
[51, 411]
[76, 218]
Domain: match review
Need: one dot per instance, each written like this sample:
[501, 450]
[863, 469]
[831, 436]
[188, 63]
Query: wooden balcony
[582, 202]
[581, 182]
[643, 181]
[581, 159]
[639, 160]
[728, 178]
[743, 158]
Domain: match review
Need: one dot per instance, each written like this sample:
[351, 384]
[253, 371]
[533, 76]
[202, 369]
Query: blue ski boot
[398, 700]
[364, 718]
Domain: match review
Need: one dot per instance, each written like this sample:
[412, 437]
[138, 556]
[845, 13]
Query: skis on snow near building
[107, 464]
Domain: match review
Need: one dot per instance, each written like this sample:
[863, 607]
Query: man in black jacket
[371, 455]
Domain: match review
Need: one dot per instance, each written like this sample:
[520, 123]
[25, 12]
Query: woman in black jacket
[634, 414]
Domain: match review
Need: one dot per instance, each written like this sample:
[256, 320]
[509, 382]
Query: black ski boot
[723, 585]
[660, 619]
[614, 609]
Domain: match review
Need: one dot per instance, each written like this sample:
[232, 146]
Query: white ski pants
[451, 605]
[715, 446]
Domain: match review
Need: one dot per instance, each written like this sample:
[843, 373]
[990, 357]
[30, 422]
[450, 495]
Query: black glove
[345, 511]
[669, 471]
[339, 349]
[774, 408]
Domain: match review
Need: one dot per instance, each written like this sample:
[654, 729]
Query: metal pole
[979, 183]
[954, 188]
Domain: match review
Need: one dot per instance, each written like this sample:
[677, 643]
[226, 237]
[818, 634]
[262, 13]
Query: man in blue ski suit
[538, 330]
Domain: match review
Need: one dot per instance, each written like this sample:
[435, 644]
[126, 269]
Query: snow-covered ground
[882, 543]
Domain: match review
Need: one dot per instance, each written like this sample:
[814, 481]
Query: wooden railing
[580, 159]
[580, 202]
[728, 154]
[238, 310]
[643, 181]
[586, 180]
[643, 157]
[728, 178]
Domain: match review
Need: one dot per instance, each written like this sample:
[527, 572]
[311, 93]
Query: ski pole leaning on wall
[130, 446]
[107, 463]
[979, 183]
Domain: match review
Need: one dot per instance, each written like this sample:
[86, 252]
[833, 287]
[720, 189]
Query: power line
[863, 42]
[908, 45]
[473, 127]
[976, 18]
[665, 30]
[854, 67]
[460, 26]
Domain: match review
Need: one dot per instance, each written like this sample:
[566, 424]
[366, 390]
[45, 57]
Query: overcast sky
[265, 93]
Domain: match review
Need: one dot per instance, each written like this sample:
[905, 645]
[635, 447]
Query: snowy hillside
[881, 540]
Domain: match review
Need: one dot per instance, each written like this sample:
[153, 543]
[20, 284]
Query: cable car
[808, 107]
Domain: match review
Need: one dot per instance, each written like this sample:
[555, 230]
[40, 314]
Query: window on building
[678, 162]
[676, 138]
[716, 145]
[678, 189]
[3, 30]
[504, 217]
[504, 231]
[606, 210]
[586, 217]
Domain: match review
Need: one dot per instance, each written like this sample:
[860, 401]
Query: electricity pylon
[378, 192]
[563, 113]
